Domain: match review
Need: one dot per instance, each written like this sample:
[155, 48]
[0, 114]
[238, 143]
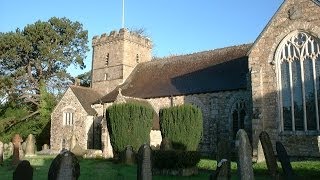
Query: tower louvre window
[137, 58]
[107, 60]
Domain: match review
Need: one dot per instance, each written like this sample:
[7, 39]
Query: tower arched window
[137, 58]
[298, 70]
[238, 116]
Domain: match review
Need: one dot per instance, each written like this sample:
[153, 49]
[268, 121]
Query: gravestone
[65, 166]
[221, 173]
[45, 147]
[24, 171]
[223, 152]
[1, 152]
[285, 161]
[244, 156]
[144, 170]
[30, 146]
[16, 141]
[23, 146]
[129, 155]
[166, 144]
[269, 155]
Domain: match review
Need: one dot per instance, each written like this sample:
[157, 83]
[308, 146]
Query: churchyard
[16, 158]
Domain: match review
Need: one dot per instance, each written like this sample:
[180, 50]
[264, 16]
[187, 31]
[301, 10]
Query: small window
[137, 58]
[238, 117]
[68, 119]
[107, 60]
[106, 76]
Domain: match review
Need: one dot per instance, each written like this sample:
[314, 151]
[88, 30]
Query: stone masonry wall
[293, 15]
[80, 128]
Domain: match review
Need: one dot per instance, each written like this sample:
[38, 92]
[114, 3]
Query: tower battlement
[122, 34]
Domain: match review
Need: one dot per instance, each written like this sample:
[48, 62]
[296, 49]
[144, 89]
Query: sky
[174, 26]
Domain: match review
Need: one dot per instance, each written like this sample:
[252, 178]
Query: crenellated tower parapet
[115, 55]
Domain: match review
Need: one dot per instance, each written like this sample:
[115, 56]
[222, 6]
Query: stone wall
[293, 15]
[114, 57]
[80, 128]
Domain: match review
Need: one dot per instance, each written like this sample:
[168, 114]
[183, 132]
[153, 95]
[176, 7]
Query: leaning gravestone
[16, 141]
[144, 171]
[285, 161]
[244, 159]
[129, 155]
[269, 154]
[24, 171]
[221, 173]
[30, 146]
[1, 152]
[64, 166]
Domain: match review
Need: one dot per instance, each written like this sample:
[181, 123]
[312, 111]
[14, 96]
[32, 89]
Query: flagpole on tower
[122, 13]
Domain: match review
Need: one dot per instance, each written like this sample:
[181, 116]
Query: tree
[85, 79]
[40, 52]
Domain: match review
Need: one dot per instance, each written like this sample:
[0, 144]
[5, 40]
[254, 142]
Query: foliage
[182, 125]
[174, 159]
[85, 79]
[40, 52]
[129, 124]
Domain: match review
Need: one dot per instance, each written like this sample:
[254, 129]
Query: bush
[182, 125]
[129, 124]
[174, 159]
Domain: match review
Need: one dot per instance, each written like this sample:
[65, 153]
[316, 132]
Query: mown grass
[100, 169]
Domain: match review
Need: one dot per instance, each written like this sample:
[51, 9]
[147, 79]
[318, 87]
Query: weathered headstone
[23, 146]
[166, 144]
[269, 154]
[244, 159]
[45, 147]
[30, 146]
[24, 171]
[285, 161]
[144, 171]
[1, 152]
[221, 173]
[223, 153]
[65, 166]
[129, 155]
[16, 141]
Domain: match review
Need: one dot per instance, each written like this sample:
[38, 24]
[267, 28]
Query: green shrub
[182, 125]
[129, 124]
[174, 159]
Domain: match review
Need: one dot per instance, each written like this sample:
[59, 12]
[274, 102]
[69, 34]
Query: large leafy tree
[41, 52]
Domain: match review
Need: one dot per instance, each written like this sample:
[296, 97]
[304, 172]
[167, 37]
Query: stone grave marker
[45, 147]
[129, 155]
[1, 152]
[166, 144]
[30, 146]
[24, 171]
[65, 166]
[221, 173]
[16, 141]
[244, 156]
[269, 154]
[144, 170]
[23, 146]
[285, 161]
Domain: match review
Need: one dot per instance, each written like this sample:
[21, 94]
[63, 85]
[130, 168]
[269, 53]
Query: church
[271, 85]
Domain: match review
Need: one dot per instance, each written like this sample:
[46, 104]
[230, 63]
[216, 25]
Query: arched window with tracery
[238, 116]
[298, 70]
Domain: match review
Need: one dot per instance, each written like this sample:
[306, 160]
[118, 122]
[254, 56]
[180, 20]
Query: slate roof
[86, 97]
[203, 72]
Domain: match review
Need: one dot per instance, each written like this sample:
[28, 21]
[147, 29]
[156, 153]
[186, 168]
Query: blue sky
[175, 26]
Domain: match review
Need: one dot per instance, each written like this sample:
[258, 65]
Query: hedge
[182, 125]
[129, 124]
[174, 159]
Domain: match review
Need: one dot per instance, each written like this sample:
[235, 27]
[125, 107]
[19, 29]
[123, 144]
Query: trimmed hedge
[174, 159]
[129, 124]
[182, 125]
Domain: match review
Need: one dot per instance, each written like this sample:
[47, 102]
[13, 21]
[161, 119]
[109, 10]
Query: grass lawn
[99, 169]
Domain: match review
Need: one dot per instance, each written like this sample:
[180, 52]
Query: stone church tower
[115, 56]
